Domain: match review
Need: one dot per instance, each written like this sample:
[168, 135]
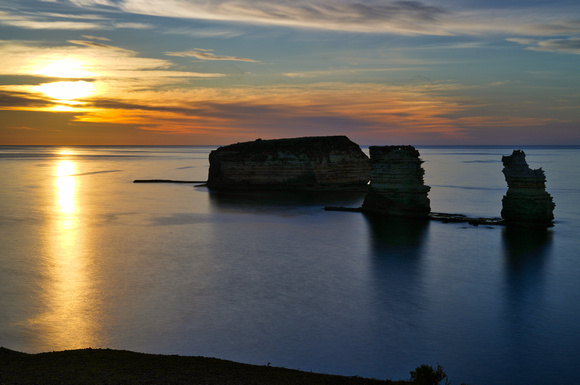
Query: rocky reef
[306, 163]
[397, 186]
[526, 200]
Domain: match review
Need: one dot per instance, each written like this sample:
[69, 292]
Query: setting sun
[67, 90]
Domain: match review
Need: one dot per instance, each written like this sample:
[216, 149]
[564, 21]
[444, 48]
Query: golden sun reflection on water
[66, 186]
[68, 322]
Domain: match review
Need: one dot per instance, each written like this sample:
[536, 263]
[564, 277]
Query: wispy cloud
[109, 70]
[344, 71]
[419, 112]
[570, 45]
[414, 17]
[94, 44]
[87, 59]
[405, 17]
[96, 38]
[556, 28]
[204, 54]
[129, 25]
[222, 33]
[394, 17]
[11, 99]
[62, 21]
[35, 22]
[271, 111]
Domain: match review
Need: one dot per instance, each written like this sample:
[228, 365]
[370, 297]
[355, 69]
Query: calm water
[87, 258]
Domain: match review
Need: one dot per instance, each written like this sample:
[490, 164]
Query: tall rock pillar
[397, 186]
[526, 200]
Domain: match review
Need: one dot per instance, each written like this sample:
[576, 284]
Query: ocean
[90, 259]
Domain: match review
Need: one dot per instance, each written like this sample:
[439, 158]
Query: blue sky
[217, 72]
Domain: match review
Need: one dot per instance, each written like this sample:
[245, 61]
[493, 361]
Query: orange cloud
[278, 111]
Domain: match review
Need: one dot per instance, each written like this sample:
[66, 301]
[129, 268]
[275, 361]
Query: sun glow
[67, 91]
[65, 68]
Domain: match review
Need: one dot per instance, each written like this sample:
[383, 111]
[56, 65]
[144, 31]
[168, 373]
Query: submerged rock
[307, 163]
[526, 200]
[397, 186]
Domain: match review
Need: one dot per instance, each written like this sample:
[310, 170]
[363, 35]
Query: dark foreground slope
[106, 366]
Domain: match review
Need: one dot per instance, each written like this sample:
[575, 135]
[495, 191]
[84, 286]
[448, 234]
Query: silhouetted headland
[106, 366]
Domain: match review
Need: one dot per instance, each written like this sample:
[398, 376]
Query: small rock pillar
[397, 186]
[526, 200]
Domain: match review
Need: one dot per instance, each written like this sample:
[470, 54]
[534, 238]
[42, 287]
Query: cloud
[34, 24]
[522, 41]
[344, 71]
[393, 17]
[366, 16]
[205, 32]
[89, 59]
[15, 99]
[431, 112]
[94, 44]
[281, 110]
[61, 21]
[557, 28]
[405, 17]
[41, 20]
[132, 25]
[96, 38]
[570, 45]
[203, 54]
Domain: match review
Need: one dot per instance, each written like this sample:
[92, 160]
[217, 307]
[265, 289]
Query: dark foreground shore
[106, 366]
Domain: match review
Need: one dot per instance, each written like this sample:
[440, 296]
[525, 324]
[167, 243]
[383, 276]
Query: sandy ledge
[106, 366]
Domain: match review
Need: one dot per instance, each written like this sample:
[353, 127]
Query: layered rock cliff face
[526, 200]
[397, 186]
[308, 163]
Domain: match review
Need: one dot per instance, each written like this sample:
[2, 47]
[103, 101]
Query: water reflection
[526, 252]
[67, 322]
[282, 202]
[396, 235]
[396, 246]
[66, 187]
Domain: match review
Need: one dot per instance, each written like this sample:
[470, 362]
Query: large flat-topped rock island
[308, 163]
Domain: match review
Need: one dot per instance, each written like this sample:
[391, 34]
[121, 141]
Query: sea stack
[397, 186]
[309, 163]
[526, 200]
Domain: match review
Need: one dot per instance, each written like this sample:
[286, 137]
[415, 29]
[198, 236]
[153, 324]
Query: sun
[67, 91]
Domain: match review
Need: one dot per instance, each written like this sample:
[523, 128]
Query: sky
[214, 72]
